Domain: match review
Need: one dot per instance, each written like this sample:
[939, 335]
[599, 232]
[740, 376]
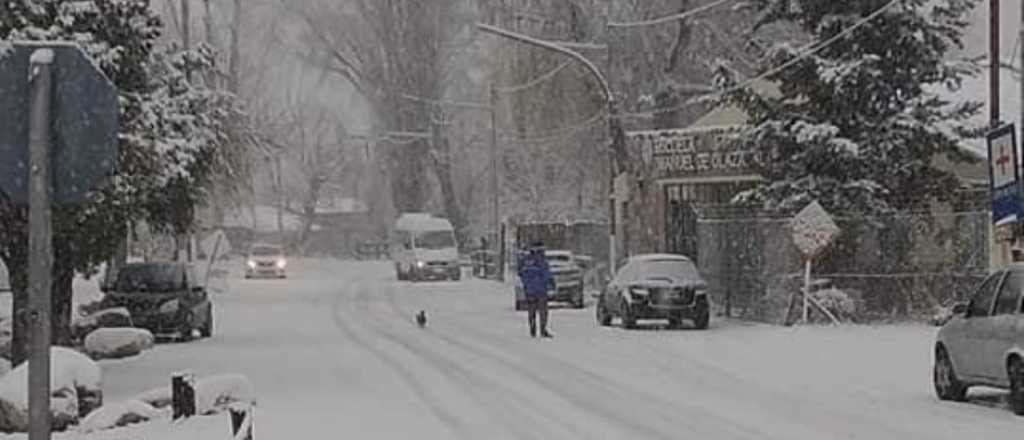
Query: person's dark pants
[537, 304]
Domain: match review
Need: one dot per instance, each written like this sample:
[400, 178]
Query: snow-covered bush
[120, 414]
[76, 389]
[116, 343]
[837, 302]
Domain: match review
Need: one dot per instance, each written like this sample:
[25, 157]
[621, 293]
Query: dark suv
[164, 298]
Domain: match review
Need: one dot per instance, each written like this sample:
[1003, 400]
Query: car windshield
[673, 270]
[266, 251]
[436, 240]
[150, 278]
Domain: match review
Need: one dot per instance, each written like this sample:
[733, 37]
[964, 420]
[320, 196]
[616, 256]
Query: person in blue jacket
[535, 276]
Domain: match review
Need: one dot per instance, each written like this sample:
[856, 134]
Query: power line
[670, 18]
[559, 133]
[534, 82]
[805, 52]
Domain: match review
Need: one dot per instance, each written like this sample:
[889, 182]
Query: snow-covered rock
[120, 414]
[76, 384]
[116, 343]
[107, 318]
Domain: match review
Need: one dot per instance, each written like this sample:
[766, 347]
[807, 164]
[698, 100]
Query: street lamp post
[613, 120]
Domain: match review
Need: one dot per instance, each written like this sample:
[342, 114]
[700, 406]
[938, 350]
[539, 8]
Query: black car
[164, 298]
[656, 287]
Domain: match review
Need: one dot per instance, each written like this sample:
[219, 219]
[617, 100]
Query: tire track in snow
[452, 422]
[594, 396]
[485, 383]
[454, 373]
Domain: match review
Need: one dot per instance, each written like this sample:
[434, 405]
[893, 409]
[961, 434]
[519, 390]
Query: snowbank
[217, 393]
[115, 317]
[213, 394]
[76, 384]
[116, 343]
[120, 414]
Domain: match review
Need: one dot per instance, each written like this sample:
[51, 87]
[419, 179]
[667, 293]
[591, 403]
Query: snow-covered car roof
[422, 222]
[558, 253]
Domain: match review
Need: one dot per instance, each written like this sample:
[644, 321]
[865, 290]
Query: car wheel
[628, 318]
[703, 318]
[1015, 372]
[456, 275]
[604, 318]
[675, 322]
[947, 386]
[206, 330]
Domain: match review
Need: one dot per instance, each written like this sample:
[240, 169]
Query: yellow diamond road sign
[813, 230]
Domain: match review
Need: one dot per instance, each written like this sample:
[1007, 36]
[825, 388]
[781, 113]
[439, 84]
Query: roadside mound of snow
[213, 394]
[107, 318]
[76, 384]
[157, 397]
[120, 414]
[116, 343]
[217, 393]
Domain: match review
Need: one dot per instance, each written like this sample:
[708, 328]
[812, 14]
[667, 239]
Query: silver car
[984, 343]
[265, 261]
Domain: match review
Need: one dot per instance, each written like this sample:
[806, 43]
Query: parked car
[164, 298]
[568, 281]
[266, 261]
[983, 344]
[655, 286]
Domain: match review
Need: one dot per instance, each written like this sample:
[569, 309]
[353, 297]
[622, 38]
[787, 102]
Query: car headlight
[170, 306]
[638, 293]
[281, 263]
[252, 264]
[420, 264]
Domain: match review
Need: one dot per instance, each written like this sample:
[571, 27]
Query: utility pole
[186, 33]
[280, 195]
[994, 61]
[236, 53]
[495, 185]
[40, 244]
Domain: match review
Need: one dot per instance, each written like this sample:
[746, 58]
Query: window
[981, 304]
[436, 240]
[1008, 302]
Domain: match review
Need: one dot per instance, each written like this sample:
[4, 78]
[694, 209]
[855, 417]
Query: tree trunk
[61, 306]
[443, 170]
[17, 268]
[408, 178]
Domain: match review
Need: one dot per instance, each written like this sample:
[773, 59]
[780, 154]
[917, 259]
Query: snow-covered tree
[171, 138]
[859, 121]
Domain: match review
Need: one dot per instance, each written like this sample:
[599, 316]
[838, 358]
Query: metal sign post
[58, 138]
[40, 243]
[813, 230]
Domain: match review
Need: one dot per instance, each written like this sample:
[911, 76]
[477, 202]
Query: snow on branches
[860, 116]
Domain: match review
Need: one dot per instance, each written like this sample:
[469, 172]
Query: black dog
[421, 319]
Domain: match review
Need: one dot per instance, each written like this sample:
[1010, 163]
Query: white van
[425, 248]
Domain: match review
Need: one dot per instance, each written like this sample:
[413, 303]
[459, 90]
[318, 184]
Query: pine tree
[859, 123]
[172, 134]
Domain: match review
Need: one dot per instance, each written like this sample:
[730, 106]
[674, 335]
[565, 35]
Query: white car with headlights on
[266, 261]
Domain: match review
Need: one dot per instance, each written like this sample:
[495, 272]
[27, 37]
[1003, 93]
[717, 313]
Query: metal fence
[893, 267]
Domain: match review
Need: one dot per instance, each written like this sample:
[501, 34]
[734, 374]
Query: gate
[681, 228]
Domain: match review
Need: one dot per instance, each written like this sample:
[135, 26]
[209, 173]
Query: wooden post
[183, 395]
[242, 422]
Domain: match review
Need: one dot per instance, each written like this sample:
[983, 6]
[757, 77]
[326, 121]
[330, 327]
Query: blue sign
[1004, 175]
[85, 121]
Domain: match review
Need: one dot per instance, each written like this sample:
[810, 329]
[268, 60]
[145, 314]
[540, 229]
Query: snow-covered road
[334, 353]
